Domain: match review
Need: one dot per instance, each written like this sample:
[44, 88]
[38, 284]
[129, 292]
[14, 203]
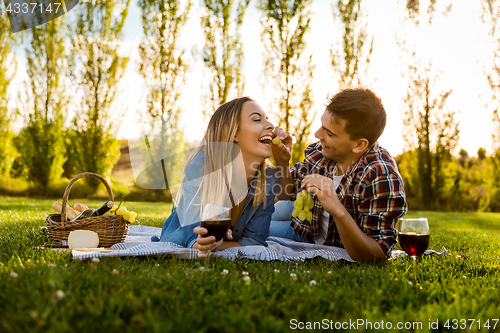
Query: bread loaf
[80, 207]
[80, 239]
[70, 212]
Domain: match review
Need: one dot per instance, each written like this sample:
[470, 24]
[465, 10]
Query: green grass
[44, 291]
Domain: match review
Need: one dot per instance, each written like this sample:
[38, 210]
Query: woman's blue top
[252, 227]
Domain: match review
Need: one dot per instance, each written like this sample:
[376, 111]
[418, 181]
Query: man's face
[336, 143]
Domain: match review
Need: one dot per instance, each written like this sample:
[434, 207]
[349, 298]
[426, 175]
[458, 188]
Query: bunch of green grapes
[127, 215]
[303, 204]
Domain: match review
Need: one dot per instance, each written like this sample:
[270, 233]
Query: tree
[41, 143]
[429, 128]
[481, 154]
[164, 69]
[98, 69]
[223, 51]
[8, 67]
[464, 157]
[351, 59]
[287, 70]
[491, 16]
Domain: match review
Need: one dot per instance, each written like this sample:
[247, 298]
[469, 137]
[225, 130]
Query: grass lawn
[45, 291]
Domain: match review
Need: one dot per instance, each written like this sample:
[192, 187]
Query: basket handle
[68, 189]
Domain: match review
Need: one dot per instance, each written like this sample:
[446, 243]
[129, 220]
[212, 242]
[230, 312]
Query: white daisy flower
[59, 294]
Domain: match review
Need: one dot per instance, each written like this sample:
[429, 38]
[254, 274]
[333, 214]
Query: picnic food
[86, 213]
[71, 213]
[121, 211]
[303, 205]
[133, 215]
[94, 212]
[111, 228]
[83, 239]
[276, 141]
[80, 207]
[128, 216]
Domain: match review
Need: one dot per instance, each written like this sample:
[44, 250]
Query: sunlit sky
[456, 43]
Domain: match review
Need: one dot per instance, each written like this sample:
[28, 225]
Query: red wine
[217, 228]
[414, 244]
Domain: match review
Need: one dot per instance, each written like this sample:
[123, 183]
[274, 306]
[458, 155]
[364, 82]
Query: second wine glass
[414, 237]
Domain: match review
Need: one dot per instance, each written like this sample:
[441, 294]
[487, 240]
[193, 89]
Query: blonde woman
[213, 175]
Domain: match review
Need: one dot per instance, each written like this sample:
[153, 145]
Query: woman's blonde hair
[220, 152]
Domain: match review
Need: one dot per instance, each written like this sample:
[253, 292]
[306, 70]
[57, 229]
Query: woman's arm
[203, 244]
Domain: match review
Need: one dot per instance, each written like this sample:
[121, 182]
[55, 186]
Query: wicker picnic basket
[111, 228]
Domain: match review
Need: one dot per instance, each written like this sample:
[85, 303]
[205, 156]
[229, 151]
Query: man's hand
[324, 189]
[358, 245]
[282, 152]
[203, 244]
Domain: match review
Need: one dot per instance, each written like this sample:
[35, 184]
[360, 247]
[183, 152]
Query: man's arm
[358, 245]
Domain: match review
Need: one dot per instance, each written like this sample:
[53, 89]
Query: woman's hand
[203, 244]
[282, 152]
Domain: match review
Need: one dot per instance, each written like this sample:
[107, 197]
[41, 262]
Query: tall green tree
[8, 67]
[41, 143]
[223, 52]
[491, 17]
[352, 58]
[164, 66]
[287, 71]
[429, 128]
[98, 68]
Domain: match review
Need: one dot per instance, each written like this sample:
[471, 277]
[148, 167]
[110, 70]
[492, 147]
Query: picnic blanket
[138, 243]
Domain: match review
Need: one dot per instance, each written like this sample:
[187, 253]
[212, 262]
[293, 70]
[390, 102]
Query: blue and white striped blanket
[138, 243]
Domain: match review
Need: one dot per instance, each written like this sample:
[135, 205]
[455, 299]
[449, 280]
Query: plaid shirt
[372, 192]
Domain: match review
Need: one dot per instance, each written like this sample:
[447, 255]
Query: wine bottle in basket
[94, 212]
[103, 209]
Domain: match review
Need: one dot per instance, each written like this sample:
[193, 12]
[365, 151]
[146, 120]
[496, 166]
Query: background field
[44, 291]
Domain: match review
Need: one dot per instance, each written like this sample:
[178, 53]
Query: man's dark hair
[363, 111]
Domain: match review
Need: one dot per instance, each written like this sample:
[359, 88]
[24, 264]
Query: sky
[456, 44]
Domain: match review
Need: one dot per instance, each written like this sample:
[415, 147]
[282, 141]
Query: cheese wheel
[83, 239]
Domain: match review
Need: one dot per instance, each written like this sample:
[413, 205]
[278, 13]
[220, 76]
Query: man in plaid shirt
[357, 189]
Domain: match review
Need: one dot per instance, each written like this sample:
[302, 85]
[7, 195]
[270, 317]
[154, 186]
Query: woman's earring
[235, 139]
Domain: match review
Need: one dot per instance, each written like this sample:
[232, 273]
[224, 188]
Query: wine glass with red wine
[216, 220]
[413, 235]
